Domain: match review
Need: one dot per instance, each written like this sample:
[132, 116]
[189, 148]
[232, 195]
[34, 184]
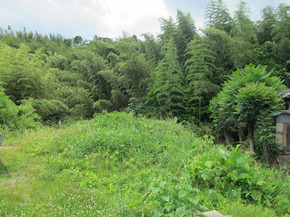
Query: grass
[120, 165]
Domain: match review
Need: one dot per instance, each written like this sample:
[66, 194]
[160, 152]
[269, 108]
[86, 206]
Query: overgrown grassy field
[120, 165]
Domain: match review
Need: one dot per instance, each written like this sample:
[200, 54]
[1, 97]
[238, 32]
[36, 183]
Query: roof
[277, 113]
[286, 94]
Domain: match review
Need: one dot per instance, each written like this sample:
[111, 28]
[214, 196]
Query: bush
[193, 171]
[137, 167]
[48, 110]
[16, 117]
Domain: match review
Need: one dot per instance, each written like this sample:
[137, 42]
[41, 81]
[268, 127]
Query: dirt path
[8, 147]
[214, 213]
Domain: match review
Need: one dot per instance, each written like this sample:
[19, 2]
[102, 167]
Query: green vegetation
[63, 103]
[175, 74]
[246, 100]
[120, 165]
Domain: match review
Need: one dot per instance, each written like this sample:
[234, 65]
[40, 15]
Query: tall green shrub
[16, 117]
[248, 95]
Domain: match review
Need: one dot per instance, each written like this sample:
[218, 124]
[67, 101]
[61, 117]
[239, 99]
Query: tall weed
[132, 167]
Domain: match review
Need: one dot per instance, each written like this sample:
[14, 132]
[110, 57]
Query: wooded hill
[175, 74]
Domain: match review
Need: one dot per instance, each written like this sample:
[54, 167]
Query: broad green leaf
[194, 200]
[224, 154]
[182, 193]
[181, 211]
[165, 196]
[168, 206]
[159, 211]
[209, 164]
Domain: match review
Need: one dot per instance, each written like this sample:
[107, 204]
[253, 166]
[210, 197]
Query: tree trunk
[227, 137]
[251, 136]
[266, 151]
[241, 137]
[199, 111]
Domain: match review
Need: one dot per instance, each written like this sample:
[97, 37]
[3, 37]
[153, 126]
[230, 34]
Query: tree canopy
[247, 97]
[175, 74]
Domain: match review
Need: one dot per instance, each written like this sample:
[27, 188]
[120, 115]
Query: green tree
[77, 41]
[58, 61]
[244, 37]
[25, 75]
[152, 48]
[199, 71]
[282, 34]
[168, 28]
[166, 92]
[135, 75]
[243, 27]
[273, 34]
[266, 27]
[282, 23]
[16, 117]
[49, 110]
[184, 34]
[8, 111]
[221, 48]
[247, 96]
[89, 64]
[218, 16]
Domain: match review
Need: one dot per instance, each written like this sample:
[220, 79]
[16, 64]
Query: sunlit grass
[120, 165]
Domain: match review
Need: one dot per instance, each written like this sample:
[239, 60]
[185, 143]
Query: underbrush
[120, 165]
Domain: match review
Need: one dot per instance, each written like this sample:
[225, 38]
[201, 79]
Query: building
[283, 123]
[283, 129]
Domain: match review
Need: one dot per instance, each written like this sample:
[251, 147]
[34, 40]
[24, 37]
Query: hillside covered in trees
[49, 78]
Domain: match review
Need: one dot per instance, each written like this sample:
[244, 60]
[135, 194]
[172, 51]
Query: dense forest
[49, 79]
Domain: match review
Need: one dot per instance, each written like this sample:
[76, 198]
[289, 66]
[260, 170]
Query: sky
[107, 18]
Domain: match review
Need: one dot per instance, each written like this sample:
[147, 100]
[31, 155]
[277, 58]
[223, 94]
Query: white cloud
[134, 17]
[106, 18]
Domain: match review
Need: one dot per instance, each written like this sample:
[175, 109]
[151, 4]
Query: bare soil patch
[8, 147]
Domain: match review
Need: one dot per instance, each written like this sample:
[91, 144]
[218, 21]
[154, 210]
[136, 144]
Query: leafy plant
[249, 93]
[16, 117]
[120, 165]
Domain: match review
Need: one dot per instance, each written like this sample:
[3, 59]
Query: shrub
[16, 117]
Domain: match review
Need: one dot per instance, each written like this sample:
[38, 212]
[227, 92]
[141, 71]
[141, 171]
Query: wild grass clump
[120, 165]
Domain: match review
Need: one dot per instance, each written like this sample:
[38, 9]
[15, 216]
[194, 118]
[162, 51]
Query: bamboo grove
[49, 78]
